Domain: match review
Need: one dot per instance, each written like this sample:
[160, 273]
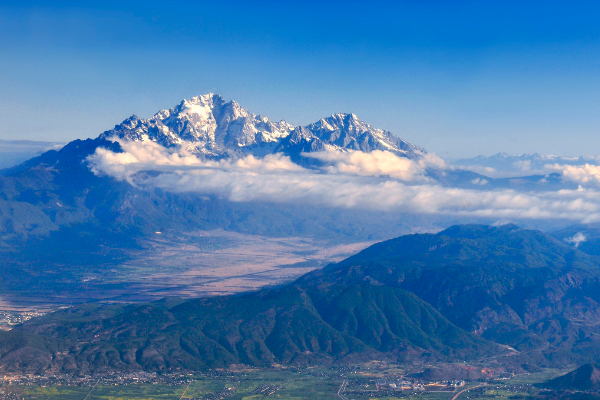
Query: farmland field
[311, 383]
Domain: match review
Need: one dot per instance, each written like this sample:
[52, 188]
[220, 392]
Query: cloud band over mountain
[377, 180]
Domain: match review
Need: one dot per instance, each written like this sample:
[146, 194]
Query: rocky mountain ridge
[212, 128]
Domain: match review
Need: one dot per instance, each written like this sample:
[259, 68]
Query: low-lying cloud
[578, 173]
[378, 180]
[378, 163]
[577, 239]
[150, 156]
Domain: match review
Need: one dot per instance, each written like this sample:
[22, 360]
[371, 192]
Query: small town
[8, 319]
[88, 380]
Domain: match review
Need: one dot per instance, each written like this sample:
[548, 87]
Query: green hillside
[428, 297]
[513, 286]
[290, 325]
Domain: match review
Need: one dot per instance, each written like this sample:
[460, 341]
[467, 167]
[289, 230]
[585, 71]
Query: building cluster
[6, 394]
[364, 387]
[267, 390]
[130, 378]
[10, 318]
[223, 394]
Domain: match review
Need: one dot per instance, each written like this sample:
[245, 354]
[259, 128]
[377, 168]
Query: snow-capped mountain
[205, 125]
[345, 132]
[212, 128]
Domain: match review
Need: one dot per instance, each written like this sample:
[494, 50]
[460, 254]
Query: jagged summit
[209, 126]
[206, 125]
[344, 132]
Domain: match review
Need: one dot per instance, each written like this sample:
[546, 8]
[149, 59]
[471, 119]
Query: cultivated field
[312, 383]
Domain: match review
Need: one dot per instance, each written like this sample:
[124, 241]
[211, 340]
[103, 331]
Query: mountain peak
[208, 126]
[206, 98]
[344, 116]
[204, 105]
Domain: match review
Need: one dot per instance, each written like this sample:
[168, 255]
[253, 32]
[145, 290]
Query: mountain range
[211, 128]
[513, 297]
[58, 190]
[60, 222]
[517, 287]
[517, 298]
[53, 201]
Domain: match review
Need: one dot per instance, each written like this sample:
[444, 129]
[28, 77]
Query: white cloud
[378, 163]
[377, 180]
[538, 166]
[487, 171]
[150, 156]
[587, 173]
[523, 165]
[577, 239]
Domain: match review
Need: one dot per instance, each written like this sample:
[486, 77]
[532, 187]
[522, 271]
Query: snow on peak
[346, 132]
[206, 125]
[210, 127]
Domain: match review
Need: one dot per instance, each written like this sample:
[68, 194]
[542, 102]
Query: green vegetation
[293, 385]
[513, 286]
[52, 392]
[415, 298]
[312, 383]
[289, 325]
[141, 391]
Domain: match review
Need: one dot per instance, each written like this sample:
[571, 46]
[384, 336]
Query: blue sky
[458, 78]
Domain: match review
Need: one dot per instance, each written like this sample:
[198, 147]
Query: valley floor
[364, 382]
[220, 262]
[190, 265]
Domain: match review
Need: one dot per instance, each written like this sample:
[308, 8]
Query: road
[342, 389]
[466, 390]
[186, 389]
[88, 395]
